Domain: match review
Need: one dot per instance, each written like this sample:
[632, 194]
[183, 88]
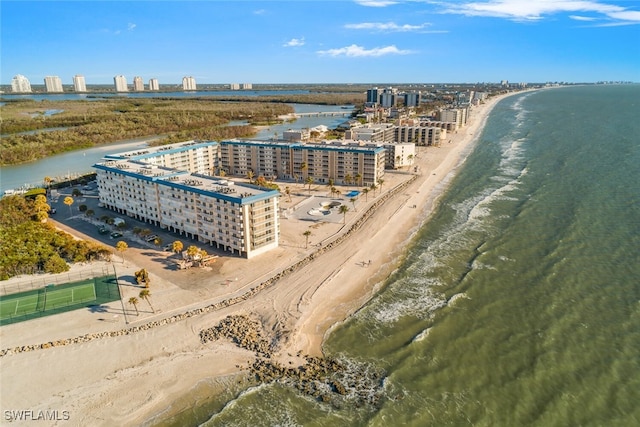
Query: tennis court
[57, 299]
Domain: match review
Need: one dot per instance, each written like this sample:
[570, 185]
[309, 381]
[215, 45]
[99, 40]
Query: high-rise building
[20, 84]
[373, 96]
[412, 99]
[53, 84]
[153, 84]
[79, 85]
[121, 83]
[234, 86]
[138, 84]
[388, 98]
[188, 83]
[246, 86]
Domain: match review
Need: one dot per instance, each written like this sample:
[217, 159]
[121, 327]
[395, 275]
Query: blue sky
[340, 41]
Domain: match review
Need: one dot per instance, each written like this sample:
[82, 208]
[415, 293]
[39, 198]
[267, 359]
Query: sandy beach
[127, 378]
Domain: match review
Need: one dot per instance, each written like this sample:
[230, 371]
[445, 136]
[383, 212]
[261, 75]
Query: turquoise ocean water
[518, 303]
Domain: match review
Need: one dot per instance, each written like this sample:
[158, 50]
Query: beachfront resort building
[79, 84]
[234, 217]
[188, 83]
[120, 82]
[20, 84]
[53, 84]
[339, 161]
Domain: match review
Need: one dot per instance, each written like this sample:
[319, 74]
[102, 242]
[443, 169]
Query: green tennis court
[57, 299]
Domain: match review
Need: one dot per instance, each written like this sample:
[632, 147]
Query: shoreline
[158, 365]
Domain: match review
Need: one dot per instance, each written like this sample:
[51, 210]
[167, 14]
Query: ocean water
[518, 302]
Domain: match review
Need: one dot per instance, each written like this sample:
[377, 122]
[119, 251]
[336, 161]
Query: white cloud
[386, 26]
[376, 3]
[131, 26]
[294, 42]
[359, 51]
[533, 10]
[259, 12]
[582, 18]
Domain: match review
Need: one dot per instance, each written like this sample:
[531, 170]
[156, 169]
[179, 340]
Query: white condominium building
[419, 135]
[138, 84]
[120, 83]
[20, 84]
[344, 162]
[188, 83]
[153, 84]
[192, 156]
[79, 84]
[238, 218]
[246, 86]
[53, 84]
[454, 115]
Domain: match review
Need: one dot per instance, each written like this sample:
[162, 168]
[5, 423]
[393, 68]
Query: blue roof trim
[250, 143]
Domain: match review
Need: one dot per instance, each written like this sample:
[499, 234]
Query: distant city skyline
[271, 42]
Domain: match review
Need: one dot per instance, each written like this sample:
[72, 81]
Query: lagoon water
[518, 303]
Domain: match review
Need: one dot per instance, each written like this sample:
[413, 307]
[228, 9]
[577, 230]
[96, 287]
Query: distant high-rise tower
[138, 84]
[234, 86]
[373, 95]
[79, 85]
[53, 84]
[121, 83]
[153, 84]
[20, 84]
[188, 83]
[246, 86]
[412, 99]
[388, 98]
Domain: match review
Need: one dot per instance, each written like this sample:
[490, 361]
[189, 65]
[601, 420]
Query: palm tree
[348, 178]
[343, 210]
[287, 191]
[353, 202]
[374, 187]
[134, 302]
[380, 182]
[145, 294]
[177, 246]
[359, 179]
[250, 175]
[122, 246]
[366, 194]
[397, 161]
[47, 181]
[332, 189]
[68, 201]
[306, 234]
[309, 181]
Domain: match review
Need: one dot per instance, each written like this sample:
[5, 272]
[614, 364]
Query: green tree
[373, 188]
[83, 208]
[366, 194]
[55, 264]
[134, 302]
[90, 213]
[121, 247]
[41, 208]
[306, 234]
[68, 201]
[353, 202]
[177, 246]
[343, 210]
[287, 191]
[250, 176]
[192, 251]
[76, 192]
[348, 179]
[359, 179]
[380, 182]
[145, 294]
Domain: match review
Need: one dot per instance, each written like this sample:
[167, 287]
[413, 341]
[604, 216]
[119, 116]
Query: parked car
[151, 238]
[103, 230]
[168, 247]
[115, 235]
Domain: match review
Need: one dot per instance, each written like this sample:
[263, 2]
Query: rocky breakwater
[328, 380]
